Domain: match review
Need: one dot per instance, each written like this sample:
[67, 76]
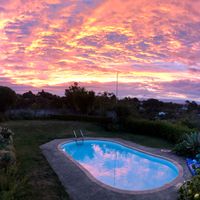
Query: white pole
[117, 79]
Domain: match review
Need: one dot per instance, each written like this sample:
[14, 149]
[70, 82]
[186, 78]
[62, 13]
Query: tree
[28, 95]
[105, 101]
[191, 105]
[80, 99]
[48, 100]
[26, 100]
[152, 107]
[7, 98]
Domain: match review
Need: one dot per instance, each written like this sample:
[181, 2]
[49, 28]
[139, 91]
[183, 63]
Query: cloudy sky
[154, 45]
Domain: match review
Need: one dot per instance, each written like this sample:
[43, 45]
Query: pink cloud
[154, 45]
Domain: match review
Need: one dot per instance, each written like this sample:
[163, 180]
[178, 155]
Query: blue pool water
[121, 167]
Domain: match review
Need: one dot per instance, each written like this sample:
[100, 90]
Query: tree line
[79, 100]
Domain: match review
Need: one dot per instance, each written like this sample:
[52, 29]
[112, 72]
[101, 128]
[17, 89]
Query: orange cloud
[49, 43]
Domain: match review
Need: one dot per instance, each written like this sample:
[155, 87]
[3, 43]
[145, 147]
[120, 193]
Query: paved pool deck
[80, 186]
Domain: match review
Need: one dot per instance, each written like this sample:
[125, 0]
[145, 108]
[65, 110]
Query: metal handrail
[81, 134]
[75, 134]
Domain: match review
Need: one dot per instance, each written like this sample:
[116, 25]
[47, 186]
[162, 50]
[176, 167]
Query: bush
[12, 187]
[86, 118]
[190, 190]
[8, 98]
[30, 114]
[5, 138]
[162, 129]
[7, 158]
[190, 145]
[7, 151]
[189, 123]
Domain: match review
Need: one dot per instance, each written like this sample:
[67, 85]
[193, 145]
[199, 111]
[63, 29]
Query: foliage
[41, 100]
[6, 133]
[104, 102]
[12, 186]
[7, 158]
[191, 120]
[190, 145]
[80, 99]
[153, 104]
[190, 190]
[189, 123]
[125, 110]
[28, 114]
[7, 98]
[7, 151]
[86, 118]
[162, 129]
[152, 107]
[198, 157]
[191, 106]
[5, 137]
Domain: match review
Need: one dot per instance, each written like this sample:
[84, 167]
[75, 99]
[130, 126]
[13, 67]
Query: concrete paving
[80, 186]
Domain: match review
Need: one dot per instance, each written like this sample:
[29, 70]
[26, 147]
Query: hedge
[162, 129]
[86, 118]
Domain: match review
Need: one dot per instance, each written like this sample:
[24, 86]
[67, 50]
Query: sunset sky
[153, 44]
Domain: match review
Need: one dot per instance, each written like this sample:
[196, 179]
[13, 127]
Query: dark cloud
[22, 28]
[115, 37]
[155, 45]
[189, 88]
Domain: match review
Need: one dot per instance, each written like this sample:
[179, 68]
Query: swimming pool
[119, 166]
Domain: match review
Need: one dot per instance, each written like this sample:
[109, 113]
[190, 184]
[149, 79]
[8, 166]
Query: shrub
[189, 123]
[7, 151]
[190, 145]
[162, 129]
[6, 133]
[190, 190]
[12, 187]
[198, 157]
[86, 118]
[8, 98]
[7, 158]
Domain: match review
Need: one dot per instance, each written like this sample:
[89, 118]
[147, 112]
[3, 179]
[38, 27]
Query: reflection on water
[121, 167]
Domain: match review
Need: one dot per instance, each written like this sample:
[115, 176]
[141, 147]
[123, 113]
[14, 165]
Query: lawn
[29, 135]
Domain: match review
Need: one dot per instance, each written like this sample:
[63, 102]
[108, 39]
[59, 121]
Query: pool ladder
[81, 135]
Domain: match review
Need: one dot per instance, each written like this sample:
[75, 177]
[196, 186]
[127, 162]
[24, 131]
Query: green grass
[29, 135]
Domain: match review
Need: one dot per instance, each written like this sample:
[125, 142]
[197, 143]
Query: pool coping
[175, 181]
[53, 147]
